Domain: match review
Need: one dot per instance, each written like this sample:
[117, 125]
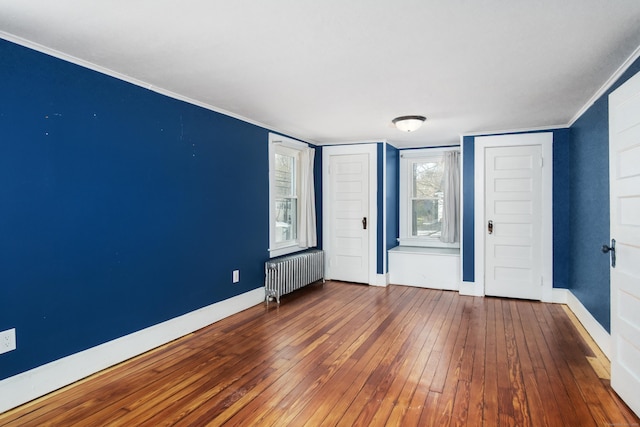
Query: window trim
[287, 146]
[407, 157]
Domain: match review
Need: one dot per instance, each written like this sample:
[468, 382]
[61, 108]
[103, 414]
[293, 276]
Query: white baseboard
[601, 337]
[471, 289]
[29, 385]
[381, 280]
[559, 295]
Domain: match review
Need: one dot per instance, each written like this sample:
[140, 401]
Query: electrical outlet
[7, 340]
[236, 276]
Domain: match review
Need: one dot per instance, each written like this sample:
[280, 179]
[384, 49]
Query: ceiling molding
[606, 86]
[373, 141]
[510, 131]
[91, 66]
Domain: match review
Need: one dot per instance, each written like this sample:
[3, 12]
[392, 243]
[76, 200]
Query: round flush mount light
[408, 123]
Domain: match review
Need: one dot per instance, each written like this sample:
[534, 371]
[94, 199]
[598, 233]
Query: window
[422, 198]
[291, 197]
[426, 197]
[286, 195]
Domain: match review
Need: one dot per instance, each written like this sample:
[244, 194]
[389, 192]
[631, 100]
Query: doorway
[349, 212]
[514, 215]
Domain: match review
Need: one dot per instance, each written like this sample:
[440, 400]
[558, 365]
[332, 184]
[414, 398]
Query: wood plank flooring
[351, 355]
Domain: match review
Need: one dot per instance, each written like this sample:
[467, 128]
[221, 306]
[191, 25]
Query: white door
[348, 225]
[624, 182]
[513, 215]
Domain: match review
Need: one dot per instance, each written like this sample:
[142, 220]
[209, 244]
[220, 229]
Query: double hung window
[292, 225]
[286, 165]
[426, 197]
[423, 190]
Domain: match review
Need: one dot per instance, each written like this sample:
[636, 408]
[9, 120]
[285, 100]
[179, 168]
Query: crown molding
[373, 141]
[510, 131]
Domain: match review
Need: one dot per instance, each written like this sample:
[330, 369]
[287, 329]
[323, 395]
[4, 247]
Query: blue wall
[393, 198]
[317, 174]
[468, 198]
[122, 208]
[561, 216]
[589, 192]
[388, 156]
[380, 226]
[561, 208]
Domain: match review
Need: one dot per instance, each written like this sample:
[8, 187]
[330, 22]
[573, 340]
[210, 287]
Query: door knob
[490, 227]
[612, 249]
[364, 223]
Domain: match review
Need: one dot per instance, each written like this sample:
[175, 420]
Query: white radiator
[291, 272]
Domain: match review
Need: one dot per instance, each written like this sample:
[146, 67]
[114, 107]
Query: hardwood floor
[345, 354]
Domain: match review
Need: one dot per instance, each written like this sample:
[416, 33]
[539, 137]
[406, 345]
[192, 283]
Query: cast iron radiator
[291, 272]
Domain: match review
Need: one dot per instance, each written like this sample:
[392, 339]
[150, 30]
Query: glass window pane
[286, 219]
[426, 217]
[284, 175]
[427, 178]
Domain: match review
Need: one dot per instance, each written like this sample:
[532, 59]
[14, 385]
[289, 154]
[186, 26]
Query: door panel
[513, 198]
[349, 204]
[624, 182]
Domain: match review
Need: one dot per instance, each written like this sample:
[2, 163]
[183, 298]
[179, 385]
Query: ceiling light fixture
[408, 123]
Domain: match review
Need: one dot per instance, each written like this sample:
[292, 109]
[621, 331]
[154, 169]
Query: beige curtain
[451, 199]
[307, 237]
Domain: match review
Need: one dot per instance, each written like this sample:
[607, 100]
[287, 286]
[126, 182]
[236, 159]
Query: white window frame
[407, 158]
[279, 144]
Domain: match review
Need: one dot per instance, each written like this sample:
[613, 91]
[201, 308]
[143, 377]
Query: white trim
[29, 385]
[606, 86]
[502, 132]
[291, 147]
[407, 156]
[372, 151]
[275, 138]
[471, 289]
[545, 140]
[103, 70]
[345, 143]
[430, 243]
[381, 280]
[559, 296]
[421, 250]
[409, 153]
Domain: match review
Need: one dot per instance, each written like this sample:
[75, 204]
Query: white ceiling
[340, 70]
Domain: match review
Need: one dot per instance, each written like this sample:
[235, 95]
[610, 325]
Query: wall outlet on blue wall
[7, 340]
[236, 276]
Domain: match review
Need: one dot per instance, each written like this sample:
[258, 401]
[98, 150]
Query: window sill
[285, 250]
[426, 250]
[428, 243]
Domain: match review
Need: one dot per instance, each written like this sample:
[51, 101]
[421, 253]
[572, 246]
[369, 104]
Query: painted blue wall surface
[561, 208]
[589, 267]
[393, 198]
[317, 174]
[380, 226]
[468, 197]
[122, 208]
